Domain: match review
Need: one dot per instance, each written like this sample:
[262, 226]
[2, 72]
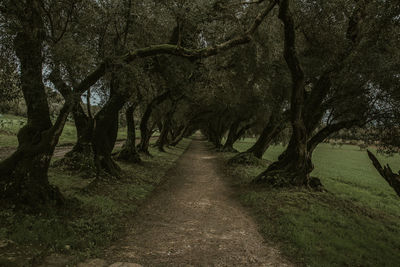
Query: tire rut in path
[194, 221]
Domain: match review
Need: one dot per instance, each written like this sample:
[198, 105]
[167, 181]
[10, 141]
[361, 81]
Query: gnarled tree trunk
[180, 136]
[23, 176]
[256, 151]
[81, 157]
[129, 152]
[145, 132]
[163, 138]
[105, 134]
[295, 165]
[393, 179]
[232, 137]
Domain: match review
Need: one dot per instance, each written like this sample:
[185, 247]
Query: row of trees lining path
[23, 175]
[292, 72]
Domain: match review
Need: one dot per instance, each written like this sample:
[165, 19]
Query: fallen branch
[386, 172]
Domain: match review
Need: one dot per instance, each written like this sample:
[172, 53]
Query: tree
[320, 96]
[23, 175]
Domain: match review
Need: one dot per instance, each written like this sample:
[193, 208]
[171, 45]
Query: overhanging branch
[176, 50]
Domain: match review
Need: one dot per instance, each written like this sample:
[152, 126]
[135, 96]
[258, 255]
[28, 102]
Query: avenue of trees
[292, 72]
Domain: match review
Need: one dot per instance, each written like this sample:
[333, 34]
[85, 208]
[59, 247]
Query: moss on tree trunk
[23, 176]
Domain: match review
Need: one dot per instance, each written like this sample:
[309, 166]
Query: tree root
[76, 162]
[128, 156]
[284, 178]
[246, 159]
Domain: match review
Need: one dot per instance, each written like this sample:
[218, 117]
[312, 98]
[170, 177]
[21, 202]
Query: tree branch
[386, 172]
[176, 50]
[327, 131]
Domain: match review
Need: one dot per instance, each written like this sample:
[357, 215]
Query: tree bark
[129, 152]
[295, 165]
[105, 134]
[232, 137]
[84, 131]
[179, 137]
[81, 157]
[163, 138]
[393, 179]
[145, 132]
[269, 133]
[23, 176]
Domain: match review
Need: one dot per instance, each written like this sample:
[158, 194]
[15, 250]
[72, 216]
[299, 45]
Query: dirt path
[194, 221]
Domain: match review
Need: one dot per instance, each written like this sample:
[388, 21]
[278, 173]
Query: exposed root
[227, 149]
[128, 156]
[82, 163]
[284, 178]
[246, 159]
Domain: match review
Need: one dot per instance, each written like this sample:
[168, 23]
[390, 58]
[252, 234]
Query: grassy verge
[93, 219]
[356, 223]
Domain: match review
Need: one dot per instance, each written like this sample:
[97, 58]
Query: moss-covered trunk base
[229, 149]
[245, 158]
[78, 161]
[128, 155]
[288, 177]
[27, 186]
[290, 170]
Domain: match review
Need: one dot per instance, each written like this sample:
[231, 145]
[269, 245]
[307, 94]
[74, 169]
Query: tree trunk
[23, 176]
[232, 137]
[105, 135]
[215, 137]
[84, 131]
[295, 165]
[163, 139]
[293, 168]
[181, 135]
[393, 179]
[257, 151]
[144, 131]
[129, 152]
[81, 157]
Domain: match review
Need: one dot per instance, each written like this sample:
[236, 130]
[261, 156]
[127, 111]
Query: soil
[193, 220]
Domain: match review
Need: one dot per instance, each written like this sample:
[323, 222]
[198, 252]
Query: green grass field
[10, 124]
[355, 223]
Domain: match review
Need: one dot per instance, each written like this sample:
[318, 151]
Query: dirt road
[192, 220]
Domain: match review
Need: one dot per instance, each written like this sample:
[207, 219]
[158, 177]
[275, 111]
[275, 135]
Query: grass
[10, 125]
[93, 219]
[355, 223]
